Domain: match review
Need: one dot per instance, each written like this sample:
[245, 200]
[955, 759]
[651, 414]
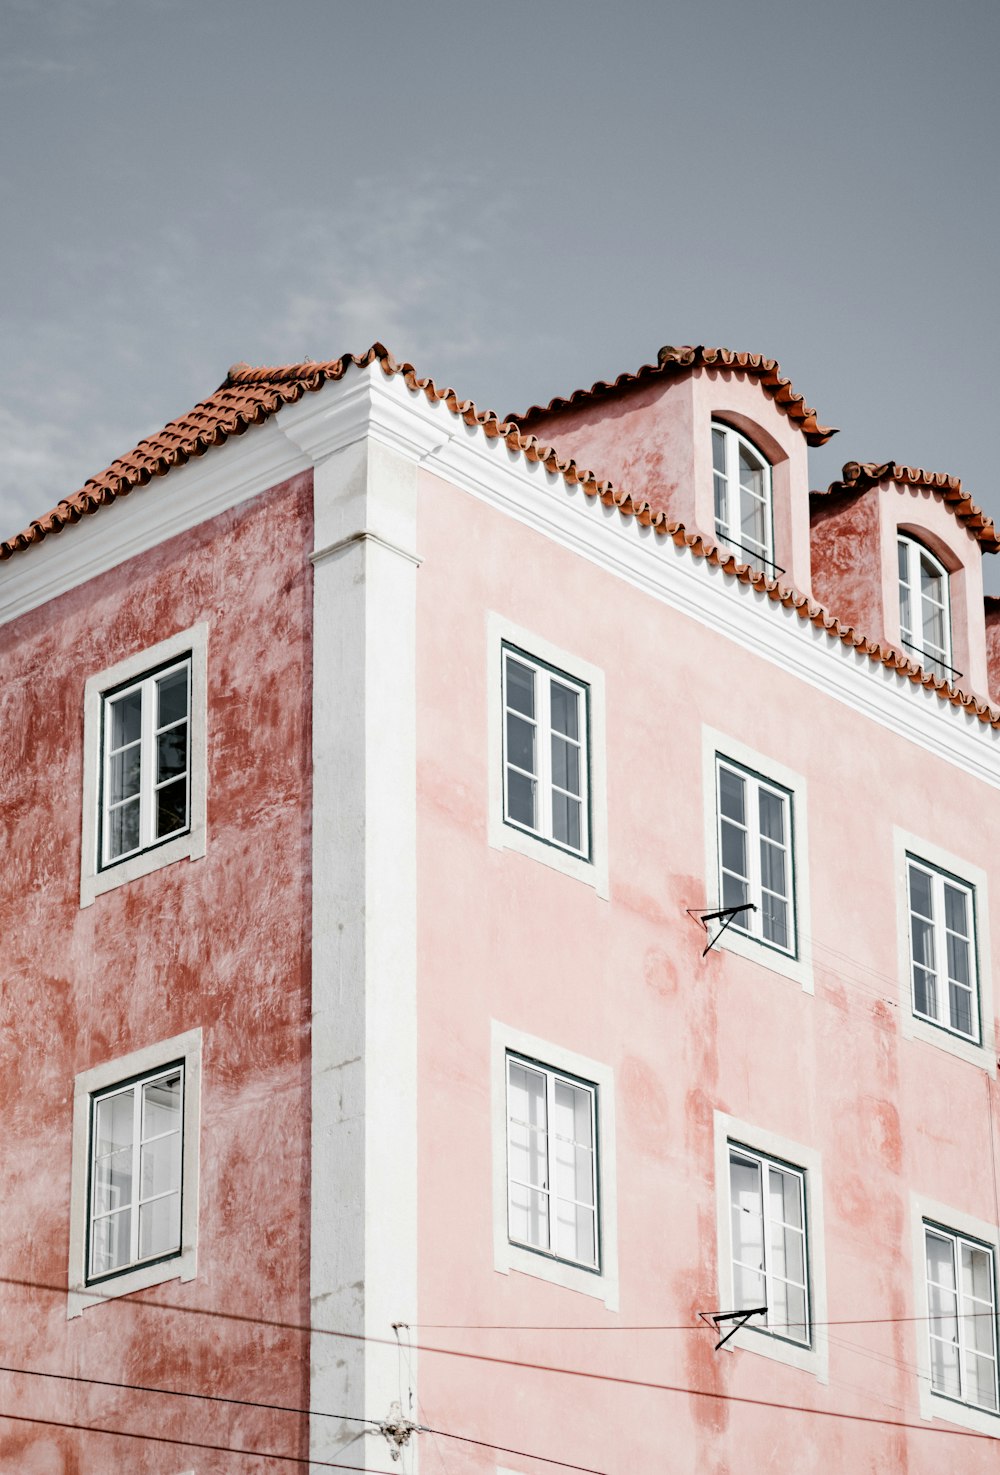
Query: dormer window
[924, 623]
[742, 481]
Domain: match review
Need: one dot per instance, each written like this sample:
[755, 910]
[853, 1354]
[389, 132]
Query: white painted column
[363, 1266]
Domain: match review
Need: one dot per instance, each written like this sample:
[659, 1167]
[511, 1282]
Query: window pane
[113, 1181]
[110, 1243]
[734, 849]
[160, 1226]
[171, 808]
[719, 451]
[920, 892]
[731, 795]
[902, 560]
[529, 1216]
[736, 892]
[977, 1273]
[123, 824]
[520, 743]
[160, 1165]
[123, 774]
[956, 910]
[565, 764]
[565, 710]
[114, 1124]
[566, 820]
[172, 691]
[772, 816]
[962, 1016]
[161, 1106]
[958, 959]
[126, 719]
[747, 1225]
[520, 687]
[575, 1233]
[772, 868]
[774, 920]
[171, 753]
[521, 799]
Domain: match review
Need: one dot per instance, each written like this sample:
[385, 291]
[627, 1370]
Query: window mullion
[147, 772]
[755, 920]
[550, 1117]
[543, 707]
[136, 1158]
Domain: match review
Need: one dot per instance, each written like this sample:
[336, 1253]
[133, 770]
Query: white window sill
[189, 846]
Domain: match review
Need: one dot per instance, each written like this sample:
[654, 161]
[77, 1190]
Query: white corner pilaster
[363, 1273]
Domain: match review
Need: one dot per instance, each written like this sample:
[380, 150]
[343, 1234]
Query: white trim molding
[191, 844]
[183, 1265]
[936, 1405]
[602, 1284]
[912, 1027]
[813, 1359]
[501, 631]
[363, 1062]
[798, 968]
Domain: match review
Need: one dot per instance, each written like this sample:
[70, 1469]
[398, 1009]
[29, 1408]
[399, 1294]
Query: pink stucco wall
[221, 943]
[653, 441]
[623, 982]
[855, 573]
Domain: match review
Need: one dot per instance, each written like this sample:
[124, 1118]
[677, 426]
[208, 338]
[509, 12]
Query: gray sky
[519, 197]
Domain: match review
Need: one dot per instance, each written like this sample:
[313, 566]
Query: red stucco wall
[221, 943]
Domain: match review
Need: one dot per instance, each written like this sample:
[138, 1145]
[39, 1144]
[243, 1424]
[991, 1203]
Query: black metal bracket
[739, 1317]
[730, 913]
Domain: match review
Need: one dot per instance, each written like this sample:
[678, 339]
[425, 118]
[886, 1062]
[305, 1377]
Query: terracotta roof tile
[859, 477]
[673, 361]
[249, 396]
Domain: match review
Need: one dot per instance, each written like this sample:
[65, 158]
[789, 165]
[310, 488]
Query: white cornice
[367, 402]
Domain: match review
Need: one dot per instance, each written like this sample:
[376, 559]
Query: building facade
[493, 909]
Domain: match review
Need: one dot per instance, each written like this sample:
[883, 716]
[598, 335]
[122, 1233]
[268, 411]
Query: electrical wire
[28, 1372]
[229, 1449]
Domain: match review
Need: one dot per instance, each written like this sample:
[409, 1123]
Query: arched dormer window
[742, 478]
[924, 609]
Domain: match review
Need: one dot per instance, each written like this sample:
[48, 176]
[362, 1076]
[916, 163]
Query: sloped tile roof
[859, 477]
[673, 361]
[249, 396]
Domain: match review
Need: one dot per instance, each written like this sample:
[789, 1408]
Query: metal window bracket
[740, 1318]
[729, 913]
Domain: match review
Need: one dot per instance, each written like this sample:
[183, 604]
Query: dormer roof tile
[859, 477]
[671, 362]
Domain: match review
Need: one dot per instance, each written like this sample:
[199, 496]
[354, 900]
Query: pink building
[481, 900]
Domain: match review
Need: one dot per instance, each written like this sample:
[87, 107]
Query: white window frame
[981, 1052]
[135, 1088]
[96, 877]
[551, 1077]
[591, 869]
[98, 1081]
[915, 646]
[509, 1255]
[764, 1163]
[543, 676]
[751, 923]
[926, 1212]
[733, 441]
[939, 931]
[797, 965]
[147, 689]
[754, 1141]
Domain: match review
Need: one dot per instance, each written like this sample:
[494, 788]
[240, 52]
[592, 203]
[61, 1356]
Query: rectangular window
[755, 854]
[145, 771]
[768, 1237]
[943, 949]
[552, 1162]
[545, 752]
[961, 1301]
[136, 1151]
